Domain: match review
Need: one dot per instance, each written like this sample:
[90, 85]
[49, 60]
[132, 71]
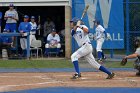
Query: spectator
[11, 17]
[53, 41]
[6, 43]
[33, 29]
[48, 26]
[24, 27]
[0, 20]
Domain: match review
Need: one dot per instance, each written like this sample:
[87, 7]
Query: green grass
[35, 64]
[117, 65]
[51, 64]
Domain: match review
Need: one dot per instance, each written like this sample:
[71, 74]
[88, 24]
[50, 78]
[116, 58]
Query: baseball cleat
[100, 60]
[76, 76]
[110, 76]
[104, 58]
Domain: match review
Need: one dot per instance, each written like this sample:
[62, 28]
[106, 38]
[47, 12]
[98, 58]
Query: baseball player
[136, 54]
[33, 29]
[100, 36]
[24, 27]
[11, 17]
[53, 41]
[80, 33]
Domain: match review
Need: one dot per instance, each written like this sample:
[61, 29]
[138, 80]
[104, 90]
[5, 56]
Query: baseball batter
[99, 37]
[33, 29]
[80, 33]
[24, 27]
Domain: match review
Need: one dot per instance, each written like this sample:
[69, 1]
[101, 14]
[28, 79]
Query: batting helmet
[96, 21]
[74, 20]
[137, 43]
[32, 17]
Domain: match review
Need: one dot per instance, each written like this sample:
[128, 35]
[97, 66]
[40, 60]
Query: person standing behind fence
[11, 17]
[0, 20]
[24, 27]
[48, 26]
[33, 29]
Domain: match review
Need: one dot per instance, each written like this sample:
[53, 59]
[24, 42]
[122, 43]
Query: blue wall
[110, 14]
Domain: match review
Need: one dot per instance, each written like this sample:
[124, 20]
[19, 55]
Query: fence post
[28, 46]
[127, 27]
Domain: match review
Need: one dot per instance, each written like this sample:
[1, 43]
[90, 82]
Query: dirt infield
[22, 81]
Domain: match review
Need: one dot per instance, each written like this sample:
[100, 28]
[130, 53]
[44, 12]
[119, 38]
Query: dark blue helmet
[96, 21]
[32, 17]
[74, 20]
[26, 16]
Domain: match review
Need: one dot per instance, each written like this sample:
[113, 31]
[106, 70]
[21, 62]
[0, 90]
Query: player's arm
[16, 17]
[49, 38]
[83, 27]
[58, 38]
[5, 16]
[132, 56]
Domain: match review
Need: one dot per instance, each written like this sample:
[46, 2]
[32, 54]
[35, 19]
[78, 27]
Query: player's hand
[78, 23]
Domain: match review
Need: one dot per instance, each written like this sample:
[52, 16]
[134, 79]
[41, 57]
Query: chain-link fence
[133, 23]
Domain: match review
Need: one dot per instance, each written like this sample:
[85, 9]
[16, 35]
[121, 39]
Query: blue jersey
[24, 26]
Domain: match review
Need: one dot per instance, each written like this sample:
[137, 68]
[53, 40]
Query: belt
[87, 42]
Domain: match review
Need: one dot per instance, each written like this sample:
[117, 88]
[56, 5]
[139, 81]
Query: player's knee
[58, 45]
[98, 49]
[46, 45]
[74, 57]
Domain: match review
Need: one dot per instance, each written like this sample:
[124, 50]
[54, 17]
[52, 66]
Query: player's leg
[46, 49]
[75, 56]
[99, 49]
[58, 48]
[13, 29]
[90, 58]
[7, 27]
[25, 43]
[22, 46]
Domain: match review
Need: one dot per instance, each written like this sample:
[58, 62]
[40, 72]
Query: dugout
[58, 10]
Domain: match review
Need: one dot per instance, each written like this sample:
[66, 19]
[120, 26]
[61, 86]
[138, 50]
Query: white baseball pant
[86, 52]
[32, 38]
[99, 44]
[23, 43]
[54, 46]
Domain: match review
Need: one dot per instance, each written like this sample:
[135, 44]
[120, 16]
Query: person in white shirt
[100, 36]
[48, 26]
[33, 29]
[80, 33]
[53, 41]
[11, 17]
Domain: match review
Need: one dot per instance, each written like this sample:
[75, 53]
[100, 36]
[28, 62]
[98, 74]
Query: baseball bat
[84, 12]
